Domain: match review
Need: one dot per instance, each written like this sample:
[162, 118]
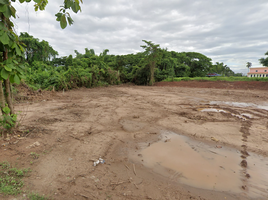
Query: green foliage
[11, 69]
[221, 69]
[91, 70]
[63, 16]
[34, 155]
[7, 120]
[88, 70]
[264, 61]
[36, 196]
[231, 79]
[36, 50]
[11, 179]
[12, 51]
[153, 55]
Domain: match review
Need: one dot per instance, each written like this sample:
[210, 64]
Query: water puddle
[223, 111]
[207, 166]
[212, 110]
[239, 104]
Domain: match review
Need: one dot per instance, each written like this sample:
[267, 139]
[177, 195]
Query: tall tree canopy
[152, 56]
[199, 64]
[36, 50]
[222, 69]
[264, 61]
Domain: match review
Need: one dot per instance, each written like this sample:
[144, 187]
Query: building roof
[258, 73]
[258, 68]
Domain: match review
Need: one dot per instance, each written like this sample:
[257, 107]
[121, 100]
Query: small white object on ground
[100, 160]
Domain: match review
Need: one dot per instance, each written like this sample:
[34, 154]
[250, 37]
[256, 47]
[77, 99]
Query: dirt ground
[72, 129]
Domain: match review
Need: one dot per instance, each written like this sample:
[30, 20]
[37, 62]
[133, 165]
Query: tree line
[45, 70]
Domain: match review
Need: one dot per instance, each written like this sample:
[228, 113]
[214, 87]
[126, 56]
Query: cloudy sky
[231, 31]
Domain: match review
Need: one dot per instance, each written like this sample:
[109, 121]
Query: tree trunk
[2, 97]
[2, 105]
[8, 96]
[7, 87]
[152, 66]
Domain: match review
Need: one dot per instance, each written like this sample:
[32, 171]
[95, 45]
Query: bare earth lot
[118, 123]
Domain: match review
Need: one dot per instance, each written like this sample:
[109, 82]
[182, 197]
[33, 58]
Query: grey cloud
[229, 31]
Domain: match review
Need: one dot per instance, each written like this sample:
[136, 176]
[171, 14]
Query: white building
[258, 72]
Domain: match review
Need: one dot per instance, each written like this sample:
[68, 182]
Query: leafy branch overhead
[63, 16]
[12, 49]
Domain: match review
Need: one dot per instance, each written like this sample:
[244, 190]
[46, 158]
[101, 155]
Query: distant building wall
[258, 72]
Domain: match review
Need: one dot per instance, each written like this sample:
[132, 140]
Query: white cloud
[229, 31]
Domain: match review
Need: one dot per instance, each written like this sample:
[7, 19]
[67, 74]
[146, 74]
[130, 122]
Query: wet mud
[206, 166]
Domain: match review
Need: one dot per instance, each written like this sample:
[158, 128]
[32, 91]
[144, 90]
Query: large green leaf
[11, 78]
[16, 79]
[13, 46]
[37, 1]
[75, 7]
[4, 73]
[4, 38]
[68, 3]
[3, 1]
[3, 27]
[14, 61]
[3, 8]
[8, 61]
[18, 51]
[70, 20]
[63, 22]
[13, 11]
[6, 110]
[8, 68]
[22, 49]
[58, 15]
[7, 12]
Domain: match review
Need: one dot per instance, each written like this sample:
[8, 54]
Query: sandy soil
[77, 127]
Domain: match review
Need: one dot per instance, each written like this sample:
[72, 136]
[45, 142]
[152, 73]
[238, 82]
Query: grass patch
[34, 155]
[218, 78]
[11, 179]
[35, 196]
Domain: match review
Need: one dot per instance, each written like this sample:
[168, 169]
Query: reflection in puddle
[204, 166]
[223, 111]
[247, 115]
[239, 104]
[212, 110]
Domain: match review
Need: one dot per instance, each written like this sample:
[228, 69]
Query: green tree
[221, 68]
[12, 50]
[249, 64]
[264, 61]
[36, 50]
[199, 64]
[153, 55]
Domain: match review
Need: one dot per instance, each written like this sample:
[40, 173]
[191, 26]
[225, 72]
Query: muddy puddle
[206, 166]
[242, 116]
[239, 104]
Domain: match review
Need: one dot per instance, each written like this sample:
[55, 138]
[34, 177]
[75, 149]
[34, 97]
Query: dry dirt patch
[77, 127]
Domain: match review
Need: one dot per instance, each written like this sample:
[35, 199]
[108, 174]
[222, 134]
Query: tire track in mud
[244, 154]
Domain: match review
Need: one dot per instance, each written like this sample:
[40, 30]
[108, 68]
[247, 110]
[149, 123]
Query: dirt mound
[242, 85]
